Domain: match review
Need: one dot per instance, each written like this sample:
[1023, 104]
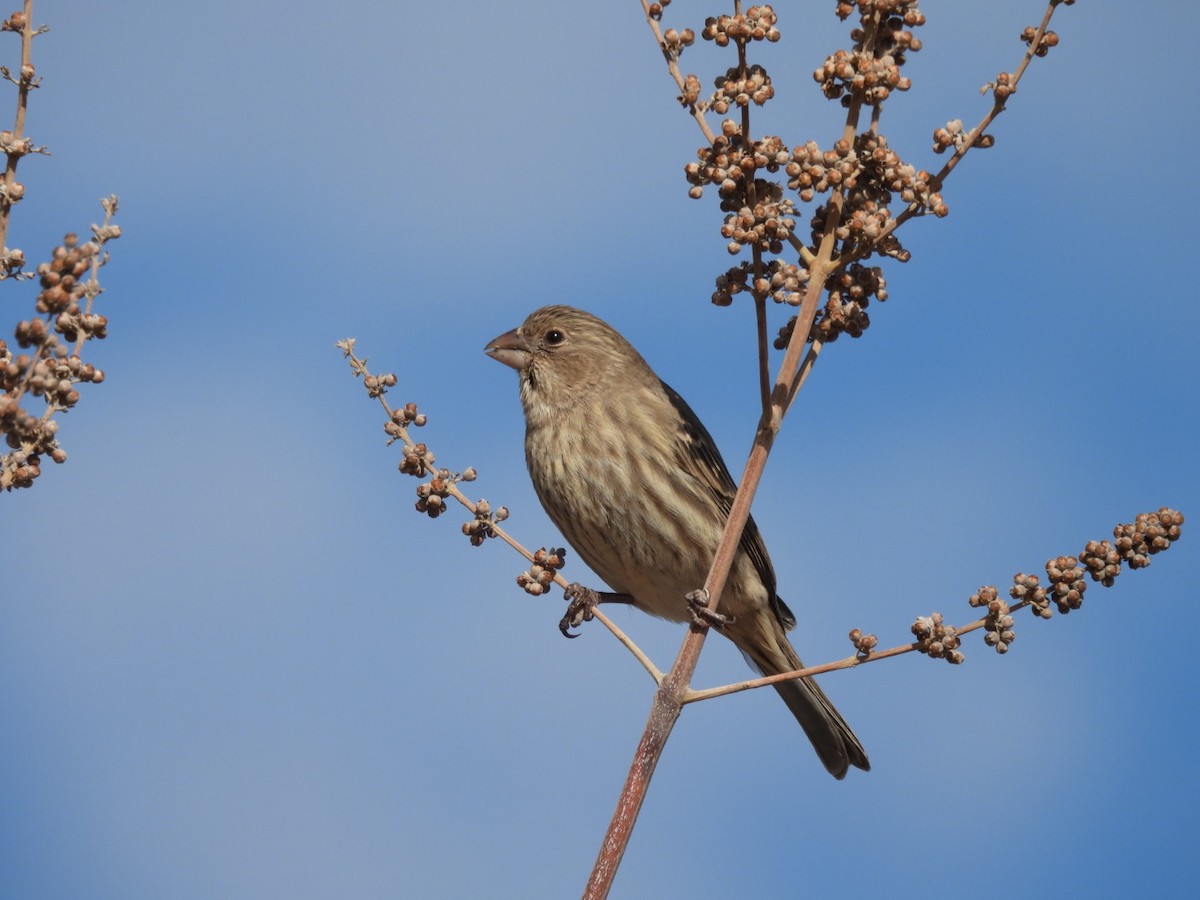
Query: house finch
[636, 485]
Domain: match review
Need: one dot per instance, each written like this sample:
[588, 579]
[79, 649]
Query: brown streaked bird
[637, 486]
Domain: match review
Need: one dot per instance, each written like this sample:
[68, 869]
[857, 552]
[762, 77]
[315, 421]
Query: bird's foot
[697, 602]
[580, 601]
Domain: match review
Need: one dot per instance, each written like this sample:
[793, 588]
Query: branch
[1133, 544]
[14, 144]
[66, 318]
[419, 461]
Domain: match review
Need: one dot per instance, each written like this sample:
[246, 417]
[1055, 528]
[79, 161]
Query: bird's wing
[700, 458]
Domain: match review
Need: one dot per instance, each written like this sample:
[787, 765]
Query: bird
[631, 477]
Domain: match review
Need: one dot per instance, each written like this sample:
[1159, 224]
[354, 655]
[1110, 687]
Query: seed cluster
[741, 87]
[481, 527]
[1047, 40]
[1028, 589]
[1102, 560]
[863, 178]
[431, 496]
[1066, 583]
[780, 281]
[861, 175]
[756, 24]
[674, 41]
[845, 312]
[52, 368]
[881, 175]
[998, 623]
[1004, 86]
[1133, 544]
[850, 293]
[731, 163]
[400, 418]
[416, 457]
[1150, 533]
[766, 224]
[863, 643]
[871, 70]
[937, 639]
[813, 170]
[537, 579]
[419, 461]
[656, 9]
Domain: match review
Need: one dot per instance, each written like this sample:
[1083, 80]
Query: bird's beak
[510, 348]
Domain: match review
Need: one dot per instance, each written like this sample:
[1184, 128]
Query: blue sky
[235, 663]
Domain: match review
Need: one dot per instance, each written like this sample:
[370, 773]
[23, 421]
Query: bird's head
[562, 352]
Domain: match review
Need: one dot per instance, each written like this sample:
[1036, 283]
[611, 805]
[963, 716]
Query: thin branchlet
[40, 376]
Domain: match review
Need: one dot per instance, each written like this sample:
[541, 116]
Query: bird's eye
[554, 336]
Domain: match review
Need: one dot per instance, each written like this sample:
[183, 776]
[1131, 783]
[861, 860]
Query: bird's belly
[656, 551]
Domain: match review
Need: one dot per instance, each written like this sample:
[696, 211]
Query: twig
[16, 144]
[377, 387]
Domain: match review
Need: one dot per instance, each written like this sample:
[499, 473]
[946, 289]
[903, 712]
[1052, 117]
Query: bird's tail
[771, 653]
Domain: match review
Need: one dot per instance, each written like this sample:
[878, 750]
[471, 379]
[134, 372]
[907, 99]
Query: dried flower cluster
[1150, 533]
[1028, 591]
[863, 643]
[871, 70]
[40, 375]
[756, 24]
[483, 526]
[998, 624]
[1133, 544]
[856, 183]
[1044, 43]
[954, 136]
[419, 461]
[937, 639]
[539, 576]
[781, 281]
[737, 88]
[1102, 560]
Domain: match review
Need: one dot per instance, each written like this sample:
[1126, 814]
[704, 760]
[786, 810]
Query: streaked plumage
[638, 488]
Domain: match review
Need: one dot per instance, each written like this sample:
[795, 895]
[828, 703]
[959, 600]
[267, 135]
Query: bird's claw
[580, 601]
[697, 602]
